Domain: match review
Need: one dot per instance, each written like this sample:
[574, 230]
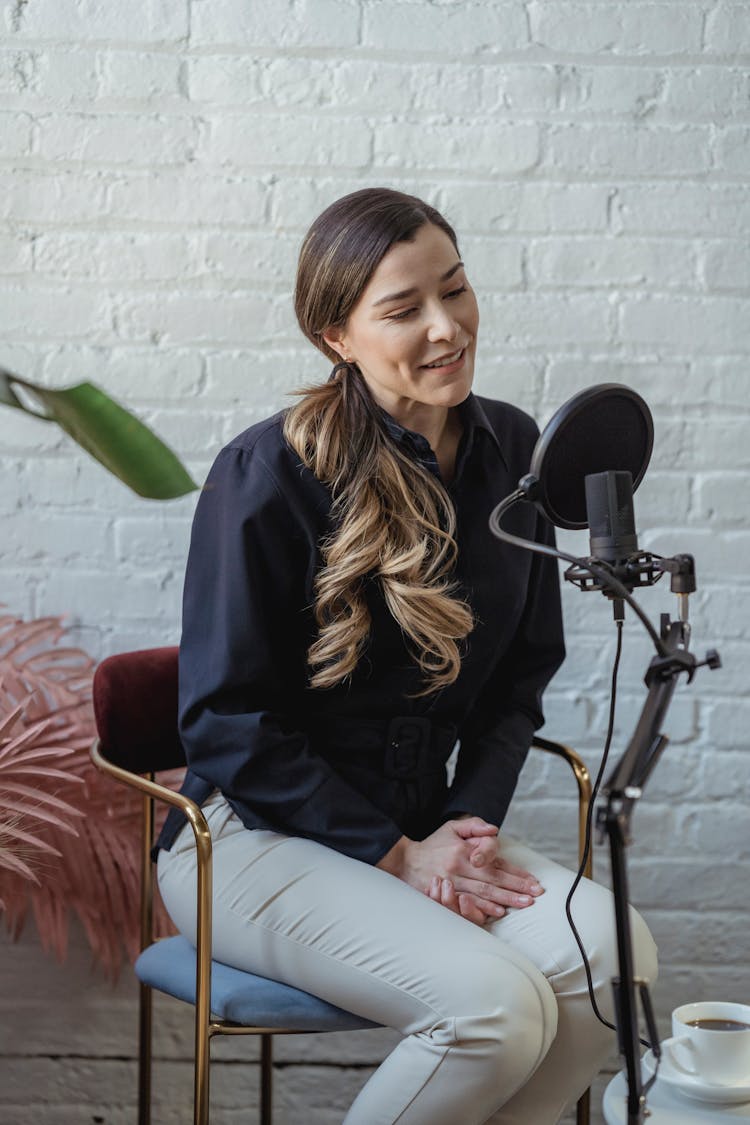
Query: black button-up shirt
[357, 766]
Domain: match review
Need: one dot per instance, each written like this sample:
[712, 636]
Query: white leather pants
[496, 1020]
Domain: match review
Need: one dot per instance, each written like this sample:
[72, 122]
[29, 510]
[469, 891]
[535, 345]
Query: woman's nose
[442, 326]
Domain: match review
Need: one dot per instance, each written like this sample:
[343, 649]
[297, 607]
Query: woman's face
[413, 331]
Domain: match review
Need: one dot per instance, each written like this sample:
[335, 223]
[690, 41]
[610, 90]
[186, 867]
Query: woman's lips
[442, 365]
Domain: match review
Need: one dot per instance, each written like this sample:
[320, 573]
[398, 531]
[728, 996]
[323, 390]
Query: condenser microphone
[611, 516]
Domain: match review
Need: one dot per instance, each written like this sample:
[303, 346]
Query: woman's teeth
[448, 359]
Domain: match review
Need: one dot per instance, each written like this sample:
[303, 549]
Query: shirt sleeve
[496, 738]
[242, 660]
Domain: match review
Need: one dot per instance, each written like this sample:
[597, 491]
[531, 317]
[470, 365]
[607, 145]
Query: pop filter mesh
[602, 428]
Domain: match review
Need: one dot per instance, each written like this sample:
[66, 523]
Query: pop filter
[602, 428]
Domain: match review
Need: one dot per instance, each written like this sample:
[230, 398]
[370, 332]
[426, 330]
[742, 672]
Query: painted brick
[275, 23]
[726, 265]
[528, 89]
[117, 257]
[56, 313]
[140, 76]
[613, 91]
[494, 264]
[659, 383]
[713, 322]
[63, 197]
[200, 317]
[118, 138]
[728, 722]
[632, 150]
[187, 198]
[15, 134]
[65, 77]
[492, 148]
[616, 29]
[517, 321]
[597, 262]
[395, 25]
[239, 141]
[727, 31]
[525, 207]
[17, 69]
[714, 497]
[159, 21]
[245, 375]
[713, 209]
[93, 595]
[258, 257]
[15, 253]
[231, 79]
[733, 150]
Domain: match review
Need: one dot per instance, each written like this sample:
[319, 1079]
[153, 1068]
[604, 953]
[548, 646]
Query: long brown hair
[394, 521]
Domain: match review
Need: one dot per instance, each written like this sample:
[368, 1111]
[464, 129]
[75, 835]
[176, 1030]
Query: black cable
[587, 837]
[585, 856]
[613, 584]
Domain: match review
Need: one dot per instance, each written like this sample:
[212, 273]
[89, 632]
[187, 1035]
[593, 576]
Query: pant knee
[645, 957]
[508, 1015]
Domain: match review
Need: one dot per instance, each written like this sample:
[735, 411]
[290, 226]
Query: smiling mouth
[446, 361]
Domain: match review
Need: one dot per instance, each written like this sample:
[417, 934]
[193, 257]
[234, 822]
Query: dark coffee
[719, 1025]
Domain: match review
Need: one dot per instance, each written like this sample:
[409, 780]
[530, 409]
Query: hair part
[394, 522]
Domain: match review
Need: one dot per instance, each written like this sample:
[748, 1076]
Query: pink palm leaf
[68, 835]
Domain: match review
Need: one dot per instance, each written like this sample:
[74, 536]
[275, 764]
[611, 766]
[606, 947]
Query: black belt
[400, 748]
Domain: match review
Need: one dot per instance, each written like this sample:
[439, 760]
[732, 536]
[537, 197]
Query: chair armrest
[152, 790]
[583, 780]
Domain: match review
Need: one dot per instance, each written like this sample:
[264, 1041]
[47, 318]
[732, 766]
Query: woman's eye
[456, 292]
[401, 315]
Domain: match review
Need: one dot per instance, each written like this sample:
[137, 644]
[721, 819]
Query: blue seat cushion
[169, 966]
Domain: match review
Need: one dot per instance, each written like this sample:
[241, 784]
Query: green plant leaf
[109, 432]
[7, 394]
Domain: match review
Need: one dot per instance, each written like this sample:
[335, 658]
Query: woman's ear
[334, 337]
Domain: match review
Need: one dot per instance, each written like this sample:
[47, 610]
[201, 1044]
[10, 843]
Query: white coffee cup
[711, 1040]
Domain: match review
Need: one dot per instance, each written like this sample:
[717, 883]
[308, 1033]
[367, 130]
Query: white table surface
[668, 1106]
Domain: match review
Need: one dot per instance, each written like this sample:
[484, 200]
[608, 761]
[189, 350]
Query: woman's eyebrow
[408, 292]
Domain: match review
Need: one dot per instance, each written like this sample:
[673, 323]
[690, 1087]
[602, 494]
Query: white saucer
[698, 1088]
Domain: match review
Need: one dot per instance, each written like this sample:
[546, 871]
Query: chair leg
[144, 1055]
[201, 1089]
[583, 1108]
[266, 1079]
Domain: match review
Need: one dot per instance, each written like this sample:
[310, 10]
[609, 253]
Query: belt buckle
[408, 746]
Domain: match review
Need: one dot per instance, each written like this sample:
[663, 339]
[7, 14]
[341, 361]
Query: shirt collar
[473, 417]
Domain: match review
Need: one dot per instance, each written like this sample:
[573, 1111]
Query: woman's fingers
[471, 910]
[474, 826]
[500, 872]
[463, 904]
[489, 892]
[444, 892]
[484, 853]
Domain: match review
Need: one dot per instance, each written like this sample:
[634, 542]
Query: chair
[135, 703]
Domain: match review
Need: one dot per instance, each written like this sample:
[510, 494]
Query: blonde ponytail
[394, 524]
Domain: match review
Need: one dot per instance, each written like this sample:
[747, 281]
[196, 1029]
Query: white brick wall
[158, 166]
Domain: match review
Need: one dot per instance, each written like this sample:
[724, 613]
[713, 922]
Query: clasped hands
[459, 866]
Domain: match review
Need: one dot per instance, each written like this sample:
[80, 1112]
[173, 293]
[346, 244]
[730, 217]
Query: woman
[347, 618]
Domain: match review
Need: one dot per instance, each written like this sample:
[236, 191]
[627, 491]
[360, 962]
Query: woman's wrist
[394, 860]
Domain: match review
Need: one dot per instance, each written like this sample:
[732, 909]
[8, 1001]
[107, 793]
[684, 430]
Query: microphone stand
[623, 788]
[627, 781]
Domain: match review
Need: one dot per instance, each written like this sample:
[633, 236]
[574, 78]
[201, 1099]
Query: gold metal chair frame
[205, 1025]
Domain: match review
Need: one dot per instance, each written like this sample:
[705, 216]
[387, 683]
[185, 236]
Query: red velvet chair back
[135, 705]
